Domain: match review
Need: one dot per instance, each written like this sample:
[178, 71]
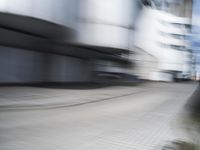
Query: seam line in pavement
[62, 105]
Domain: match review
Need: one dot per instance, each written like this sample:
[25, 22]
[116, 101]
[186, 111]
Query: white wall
[62, 12]
[106, 22]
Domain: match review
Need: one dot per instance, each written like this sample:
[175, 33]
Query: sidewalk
[22, 97]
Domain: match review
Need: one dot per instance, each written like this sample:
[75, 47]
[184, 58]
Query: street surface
[108, 118]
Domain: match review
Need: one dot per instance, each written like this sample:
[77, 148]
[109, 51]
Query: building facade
[163, 37]
[61, 41]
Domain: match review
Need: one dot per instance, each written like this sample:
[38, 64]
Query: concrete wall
[68, 69]
[24, 66]
[182, 9]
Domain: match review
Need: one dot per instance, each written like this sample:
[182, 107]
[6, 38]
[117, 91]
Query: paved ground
[119, 118]
[60, 96]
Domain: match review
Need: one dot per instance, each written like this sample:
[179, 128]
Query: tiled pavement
[141, 121]
[38, 97]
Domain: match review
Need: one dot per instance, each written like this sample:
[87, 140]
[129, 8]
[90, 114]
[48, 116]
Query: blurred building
[181, 8]
[195, 38]
[162, 49]
[65, 40]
